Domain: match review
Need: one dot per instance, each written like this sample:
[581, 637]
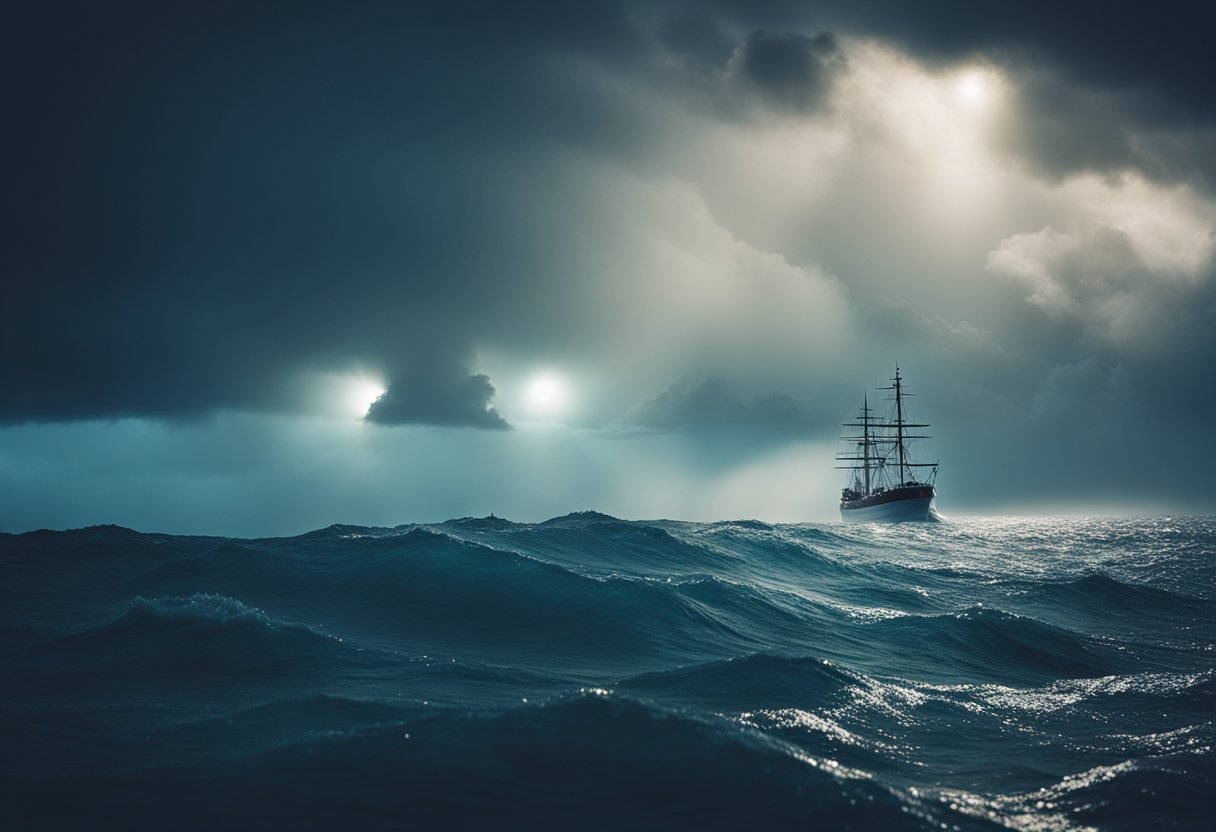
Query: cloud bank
[206, 209]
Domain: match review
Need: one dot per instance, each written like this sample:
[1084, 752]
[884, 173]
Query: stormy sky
[269, 266]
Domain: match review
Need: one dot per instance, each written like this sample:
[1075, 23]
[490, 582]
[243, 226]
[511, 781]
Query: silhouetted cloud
[431, 399]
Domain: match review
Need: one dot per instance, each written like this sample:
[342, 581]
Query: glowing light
[361, 392]
[546, 394]
[346, 396]
[973, 88]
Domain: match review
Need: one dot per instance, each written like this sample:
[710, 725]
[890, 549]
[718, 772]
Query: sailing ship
[883, 485]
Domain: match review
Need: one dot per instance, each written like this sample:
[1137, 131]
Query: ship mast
[865, 436]
[899, 424]
[901, 435]
[880, 449]
[868, 460]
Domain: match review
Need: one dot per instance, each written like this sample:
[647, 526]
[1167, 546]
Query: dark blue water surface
[1034, 674]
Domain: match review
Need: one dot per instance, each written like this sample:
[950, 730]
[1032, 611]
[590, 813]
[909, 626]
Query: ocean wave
[617, 546]
[604, 760]
[200, 641]
[991, 645]
[1025, 674]
[1102, 597]
[761, 680]
[1097, 798]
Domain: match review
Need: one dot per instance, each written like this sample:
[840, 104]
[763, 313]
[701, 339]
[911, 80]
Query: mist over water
[1035, 674]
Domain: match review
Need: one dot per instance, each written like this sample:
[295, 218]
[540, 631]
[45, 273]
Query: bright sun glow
[361, 392]
[546, 394]
[973, 88]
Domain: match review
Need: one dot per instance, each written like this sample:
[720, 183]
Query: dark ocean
[1033, 674]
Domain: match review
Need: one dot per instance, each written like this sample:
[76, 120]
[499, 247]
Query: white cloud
[1098, 279]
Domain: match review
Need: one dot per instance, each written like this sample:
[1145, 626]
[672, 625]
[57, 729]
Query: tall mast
[869, 460]
[865, 436]
[899, 425]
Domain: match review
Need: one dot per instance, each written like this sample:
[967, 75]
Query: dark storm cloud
[792, 71]
[1063, 130]
[438, 399]
[1101, 86]
[1165, 49]
[202, 202]
[1060, 129]
[715, 404]
[785, 72]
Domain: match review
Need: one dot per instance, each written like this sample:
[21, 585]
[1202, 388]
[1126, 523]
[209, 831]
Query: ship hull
[892, 507]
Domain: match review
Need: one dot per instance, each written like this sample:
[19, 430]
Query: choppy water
[1025, 673]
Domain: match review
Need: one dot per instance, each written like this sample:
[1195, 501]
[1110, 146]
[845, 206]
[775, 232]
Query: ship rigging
[884, 485]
